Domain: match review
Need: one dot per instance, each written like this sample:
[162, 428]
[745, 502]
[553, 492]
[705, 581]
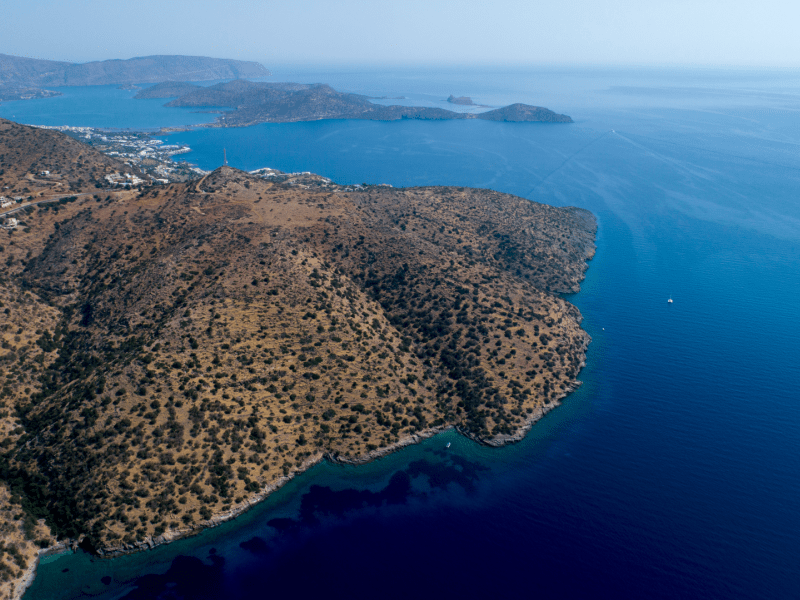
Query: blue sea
[673, 472]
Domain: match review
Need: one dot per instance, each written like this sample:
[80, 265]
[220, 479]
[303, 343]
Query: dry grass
[183, 348]
[27, 151]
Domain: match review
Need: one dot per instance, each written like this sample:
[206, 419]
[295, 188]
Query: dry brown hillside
[187, 347]
[27, 151]
[75, 169]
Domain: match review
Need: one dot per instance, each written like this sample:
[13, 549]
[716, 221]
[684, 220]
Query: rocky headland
[175, 353]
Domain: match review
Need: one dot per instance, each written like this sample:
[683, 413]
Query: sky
[747, 33]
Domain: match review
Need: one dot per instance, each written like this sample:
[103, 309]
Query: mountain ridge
[142, 69]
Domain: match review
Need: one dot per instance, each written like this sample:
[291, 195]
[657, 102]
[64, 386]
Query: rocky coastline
[290, 337]
[151, 542]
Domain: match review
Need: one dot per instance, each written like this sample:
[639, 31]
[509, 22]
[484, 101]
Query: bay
[104, 106]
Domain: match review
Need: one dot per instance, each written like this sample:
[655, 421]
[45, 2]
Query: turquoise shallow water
[672, 472]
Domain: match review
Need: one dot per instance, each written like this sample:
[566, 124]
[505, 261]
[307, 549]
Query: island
[251, 102]
[21, 92]
[260, 102]
[461, 100]
[516, 113]
[181, 351]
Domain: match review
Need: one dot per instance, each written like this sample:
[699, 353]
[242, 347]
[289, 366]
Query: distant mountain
[28, 71]
[167, 89]
[146, 69]
[290, 102]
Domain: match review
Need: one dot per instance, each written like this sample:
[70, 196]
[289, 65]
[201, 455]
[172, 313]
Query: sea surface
[104, 106]
[673, 472]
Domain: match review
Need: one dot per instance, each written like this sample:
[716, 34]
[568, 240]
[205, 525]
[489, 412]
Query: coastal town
[151, 163]
[141, 160]
[139, 149]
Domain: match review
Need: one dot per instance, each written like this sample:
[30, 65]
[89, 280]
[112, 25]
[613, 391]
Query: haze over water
[671, 473]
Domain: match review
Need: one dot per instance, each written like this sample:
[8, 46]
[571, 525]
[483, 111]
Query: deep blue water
[671, 473]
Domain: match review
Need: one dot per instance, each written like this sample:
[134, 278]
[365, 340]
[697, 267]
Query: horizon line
[480, 64]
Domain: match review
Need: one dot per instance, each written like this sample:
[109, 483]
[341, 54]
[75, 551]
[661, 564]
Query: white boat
[670, 300]
[448, 445]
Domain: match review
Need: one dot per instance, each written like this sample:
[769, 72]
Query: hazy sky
[662, 32]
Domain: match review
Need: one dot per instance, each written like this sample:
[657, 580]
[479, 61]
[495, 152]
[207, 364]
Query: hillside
[289, 102]
[145, 69]
[174, 354]
[23, 71]
[166, 89]
[25, 152]
[75, 169]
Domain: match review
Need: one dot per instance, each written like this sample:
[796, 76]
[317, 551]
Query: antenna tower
[224, 157]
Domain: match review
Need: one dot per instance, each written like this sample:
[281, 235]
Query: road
[23, 206]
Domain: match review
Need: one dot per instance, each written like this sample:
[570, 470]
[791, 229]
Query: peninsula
[258, 102]
[250, 102]
[174, 353]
